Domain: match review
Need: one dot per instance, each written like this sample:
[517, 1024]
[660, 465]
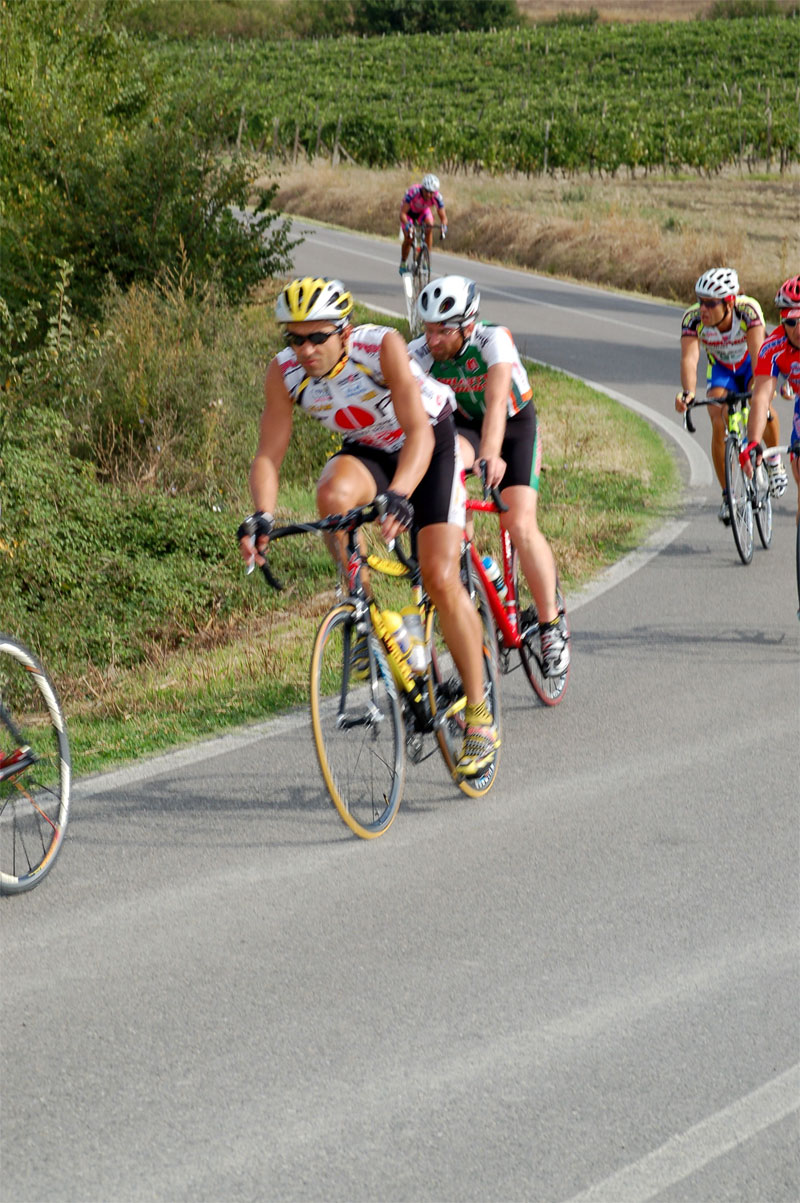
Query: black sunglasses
[791, 322]
[316, 339]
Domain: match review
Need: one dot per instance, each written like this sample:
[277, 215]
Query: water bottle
[495, 576]
[418, 656]
[394, 625]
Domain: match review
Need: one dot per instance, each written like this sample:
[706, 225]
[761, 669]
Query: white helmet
[718, 284]
[453, 299]
[430, 182]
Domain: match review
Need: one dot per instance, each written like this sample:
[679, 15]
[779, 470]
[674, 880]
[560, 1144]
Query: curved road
[583, 987]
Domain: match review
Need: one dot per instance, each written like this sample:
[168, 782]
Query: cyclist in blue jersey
[730, 328]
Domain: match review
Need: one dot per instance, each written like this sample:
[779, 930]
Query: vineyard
[701, 95]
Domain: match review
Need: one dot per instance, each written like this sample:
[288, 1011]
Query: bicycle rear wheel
[739, 501]
[549, 690]
[34, 770]
[358, 726]
[763, 508]
[446, 694]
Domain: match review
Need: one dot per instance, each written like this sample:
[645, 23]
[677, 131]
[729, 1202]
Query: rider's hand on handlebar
[398, 514]
[682, 400]
[495, 470]
[746, 457]
[253, 536]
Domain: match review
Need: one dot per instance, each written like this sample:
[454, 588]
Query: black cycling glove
[256, 524]
[399, 507]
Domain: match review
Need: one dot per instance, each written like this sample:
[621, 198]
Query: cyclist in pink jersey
[779, 356]
[399, 439]
[730, 328]
[417, 208]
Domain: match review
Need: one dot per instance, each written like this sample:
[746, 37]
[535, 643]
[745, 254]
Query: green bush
[112, 165]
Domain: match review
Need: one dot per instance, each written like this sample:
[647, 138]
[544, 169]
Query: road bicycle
[747, 498]
[34, 770]
[370, 712]
[417, 276]
[513, 608]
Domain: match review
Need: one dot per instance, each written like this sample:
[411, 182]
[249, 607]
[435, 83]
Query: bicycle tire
[35, 770]
[359, 733]
[421, 274]
[763, 511]
[445, 688]
[741, 506]
[549, 690]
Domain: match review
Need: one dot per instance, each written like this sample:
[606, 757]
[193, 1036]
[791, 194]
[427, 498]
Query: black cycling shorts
[521, 448]
[440, 495]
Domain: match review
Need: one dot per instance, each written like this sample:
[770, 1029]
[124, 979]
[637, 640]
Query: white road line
[695, 1148]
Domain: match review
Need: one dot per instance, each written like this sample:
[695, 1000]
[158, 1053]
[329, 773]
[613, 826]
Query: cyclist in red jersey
[779, 356]
[417, 207]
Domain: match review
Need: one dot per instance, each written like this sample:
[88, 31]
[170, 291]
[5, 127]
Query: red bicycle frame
[504, 610]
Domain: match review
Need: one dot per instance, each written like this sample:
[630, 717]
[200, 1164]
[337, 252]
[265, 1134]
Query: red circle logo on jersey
[353, 418]
[472, 365]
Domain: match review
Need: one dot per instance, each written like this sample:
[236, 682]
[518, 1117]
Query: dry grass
[651, 234]
[620, 10]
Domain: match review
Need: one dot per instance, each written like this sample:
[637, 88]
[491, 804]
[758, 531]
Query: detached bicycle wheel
[34, 770]
[549, 690]
[446, 694]
[739, 501]
[358, 726]
[763, 508]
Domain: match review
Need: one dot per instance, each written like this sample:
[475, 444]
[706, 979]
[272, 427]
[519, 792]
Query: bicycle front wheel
[739, 501]
[446, 694]
[35, 770]
[549, 690]
[357, 720]
[421, 276]
[763, 508]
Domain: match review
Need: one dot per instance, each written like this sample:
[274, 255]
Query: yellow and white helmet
[312, 299]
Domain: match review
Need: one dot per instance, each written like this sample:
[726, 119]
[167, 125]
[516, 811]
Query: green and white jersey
[466, 375]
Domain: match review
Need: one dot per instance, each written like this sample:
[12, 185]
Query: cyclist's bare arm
[755, 337]
[763, 392]
[415, 454]
[690, 358]
[493, 429]
[274, 433]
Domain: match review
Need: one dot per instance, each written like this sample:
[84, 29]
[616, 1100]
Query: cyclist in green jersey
[496, 422]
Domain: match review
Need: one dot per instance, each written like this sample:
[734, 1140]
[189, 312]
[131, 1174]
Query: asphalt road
[583, 987]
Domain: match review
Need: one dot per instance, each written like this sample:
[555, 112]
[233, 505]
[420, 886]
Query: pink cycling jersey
[420, 209]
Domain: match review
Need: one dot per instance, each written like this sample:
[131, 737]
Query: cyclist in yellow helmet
[398, 438]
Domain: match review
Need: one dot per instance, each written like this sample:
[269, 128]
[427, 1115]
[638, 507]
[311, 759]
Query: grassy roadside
[607, 480]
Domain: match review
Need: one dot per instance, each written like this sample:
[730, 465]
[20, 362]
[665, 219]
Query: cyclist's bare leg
[468, 459]
[719, 428]
[795, 462]
[429, 232]
[772, 430]
[534, 552]
[343, 484]
[439, 548]
[406, 247]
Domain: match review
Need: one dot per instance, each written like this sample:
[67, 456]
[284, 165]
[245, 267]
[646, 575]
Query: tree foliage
[107, 165]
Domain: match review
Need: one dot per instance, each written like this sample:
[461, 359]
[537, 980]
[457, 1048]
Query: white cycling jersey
[729, 349]
[354, 400]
